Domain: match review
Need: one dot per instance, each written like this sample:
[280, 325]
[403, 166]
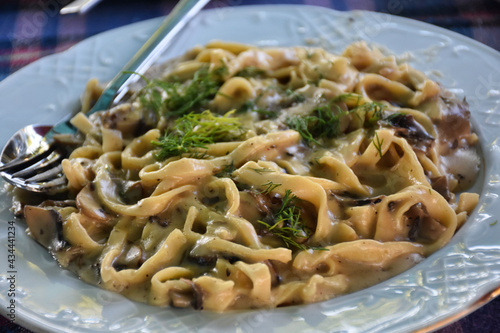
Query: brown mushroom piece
[88, 203]
[123, 117]
[454, 126]
[440, 185]
[422, 227]
[407, 127]
[45, 226]
[130, 191]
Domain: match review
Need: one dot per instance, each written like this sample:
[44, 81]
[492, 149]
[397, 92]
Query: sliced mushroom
[407, 127]
[89, 205]
[440, 185]
[45, 226]
[422, 227]
[130, 191]
[454, 126]
[134, 257]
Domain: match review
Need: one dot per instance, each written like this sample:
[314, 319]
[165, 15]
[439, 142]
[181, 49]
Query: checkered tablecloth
[31, 29]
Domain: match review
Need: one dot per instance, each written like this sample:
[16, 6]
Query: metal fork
[31, 159]
[79, 6]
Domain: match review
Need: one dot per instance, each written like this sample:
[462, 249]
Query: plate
[444, 286]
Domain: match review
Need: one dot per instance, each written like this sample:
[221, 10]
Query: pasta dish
[238, 177]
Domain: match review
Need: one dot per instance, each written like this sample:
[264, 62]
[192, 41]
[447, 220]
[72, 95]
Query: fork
[31, 158]
[79, 6]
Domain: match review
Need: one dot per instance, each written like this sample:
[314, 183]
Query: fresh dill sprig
[294, 96]
[286, 234]
[260, 171]
[176, 98]
[247, 106]
[303, 125]
[270, 186]
[266, 114]
[197, 130]
[287, 224]
[346, 97]
[202, 88]
[378, 144]
[324, 121]
[288, 202]
[206, 124]
[251, 106]
[150, 95]
[250, 71]
[226, 171]
[177, 143]
[374, 112]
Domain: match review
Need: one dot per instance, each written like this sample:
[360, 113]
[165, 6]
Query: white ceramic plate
[447, 284]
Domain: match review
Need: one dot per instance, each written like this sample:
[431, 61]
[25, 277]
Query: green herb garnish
[202, 88]
[250, 71]
[176, 98]
[378, 144]
[226, 171]
[260, 171]
[287, 224]
[270, 186]
[325, 120]
[373, 111]
[197, 131]
[247, 106]
[252, 106]
[151, 95]
[295, 96]
[268, 114]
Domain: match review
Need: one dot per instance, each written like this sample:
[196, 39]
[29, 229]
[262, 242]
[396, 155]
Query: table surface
[22, 42]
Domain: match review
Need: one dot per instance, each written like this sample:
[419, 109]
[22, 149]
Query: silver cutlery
[79, 6]
[31, 158]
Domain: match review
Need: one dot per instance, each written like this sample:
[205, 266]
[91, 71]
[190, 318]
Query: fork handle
[161, 39]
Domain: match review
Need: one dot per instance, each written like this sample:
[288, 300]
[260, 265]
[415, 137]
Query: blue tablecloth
[31, 29]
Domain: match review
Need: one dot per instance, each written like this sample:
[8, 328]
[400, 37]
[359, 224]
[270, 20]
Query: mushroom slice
[87, 202]
[45, 226]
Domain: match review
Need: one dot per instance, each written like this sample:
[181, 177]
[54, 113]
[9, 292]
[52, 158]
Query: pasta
[239, 177]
